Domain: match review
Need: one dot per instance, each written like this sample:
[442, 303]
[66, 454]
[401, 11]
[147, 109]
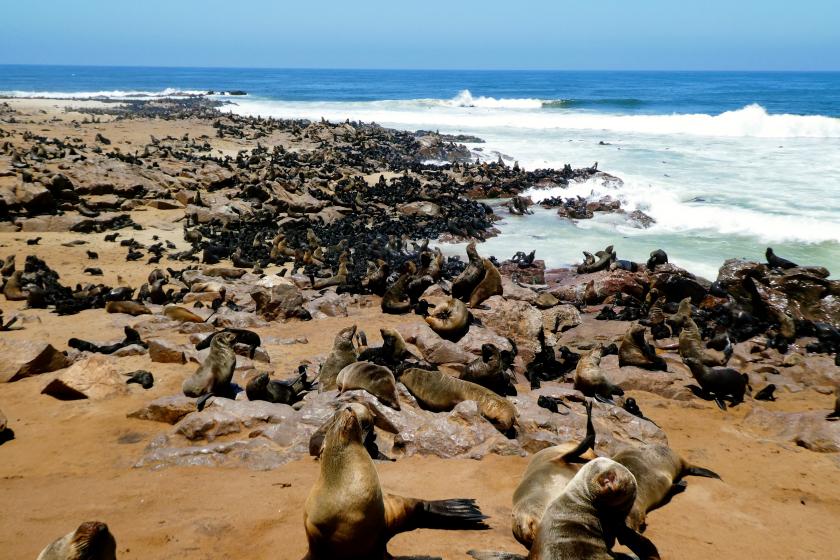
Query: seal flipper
[488, 555]
[202, 401]
[700, 471]
[603, 400]
[407, 514]
[588, 442]
[639, 544]
[720, 403]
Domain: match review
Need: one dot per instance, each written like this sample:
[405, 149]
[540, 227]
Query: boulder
[513, 319]
[432, 347]
[420, 208]
[165, 409]
[282, 301]
[166, 352]
[806, 429]
[559, 319]
[25, 358]
[95, 377]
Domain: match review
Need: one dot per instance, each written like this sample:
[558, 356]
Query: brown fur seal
[377, 277]
[214, 375]
[396, 300]
[659, 472]
[127, 307]
[719, 383]
[601, 261]
[347, 516]
[368, 416]
[691, 343]
[178, 313]
[392, 351]
[450, 320]
[490, 285]
[439, 392]
[489, 371]
[338, 279]
[377, 380]
[591, 381]
[13, 290]
[464, 284]
[343, 354]
[634, 350]
[584, 522]
[547, 475]
[91, 541]
[836, 414]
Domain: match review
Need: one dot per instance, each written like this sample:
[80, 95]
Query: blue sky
[562, 34]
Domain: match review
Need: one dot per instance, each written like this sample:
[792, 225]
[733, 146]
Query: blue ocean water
[727, 163]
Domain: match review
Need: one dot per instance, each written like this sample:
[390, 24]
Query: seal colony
[261, 253]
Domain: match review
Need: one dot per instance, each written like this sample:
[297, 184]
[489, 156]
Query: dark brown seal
[634, 350]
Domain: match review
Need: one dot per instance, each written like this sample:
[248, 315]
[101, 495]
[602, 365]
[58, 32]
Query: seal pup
[439, 392]
[591, 381]
[832, 416]
[659, 473]
[343, 354]
[464, 284]
[490, 285]
[90, 541]
[631, 406]
[347, 516]
[142, 377]
[127, 307]
[450, 320]
[767, 393]
[488, 371]
[390, 354]
[213, 376]
[634, 350]
[375, 379]
[369, 416]
[547, 475]
[720, 383]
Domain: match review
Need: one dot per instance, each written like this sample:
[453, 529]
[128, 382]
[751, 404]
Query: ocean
[726, 163]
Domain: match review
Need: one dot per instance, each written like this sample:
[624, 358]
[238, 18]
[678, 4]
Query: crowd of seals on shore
[343, 214]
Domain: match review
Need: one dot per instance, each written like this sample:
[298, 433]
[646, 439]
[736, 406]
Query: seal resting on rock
[91, 541]
[127, 307]
[490, 285]
[776, 261]
[719, 383]
[450, 320]
[591, 381]
[659, 471]
[347, 516]
[375, 379]
[547, 475]
[212, 378]
[263, 388]
[439, 392]
[634, 350]
[488, 371]
[390, 354]
[343, 354]
[464, 284]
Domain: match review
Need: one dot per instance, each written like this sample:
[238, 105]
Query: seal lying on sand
[347, 516]
[659, 472]
[545, 479]
[587, 518]
[439, 392]
[214, 375]
[375, 379]
[127, 307]
[634, 350]
[591, 381]
[91, 541]
[719, 383]
[343, 354]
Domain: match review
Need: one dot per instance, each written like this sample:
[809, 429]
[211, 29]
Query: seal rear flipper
[639, 544]
[603, 400]
[720, 403]
[491, 555]
[407, 514]
[574, 456]
[700, 471]
[202, 401]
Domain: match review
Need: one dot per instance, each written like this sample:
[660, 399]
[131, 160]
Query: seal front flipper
[489, 555]
[407, 514]
[202, 401]
[639, 544]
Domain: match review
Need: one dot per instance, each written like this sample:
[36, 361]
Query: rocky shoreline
[136, 230]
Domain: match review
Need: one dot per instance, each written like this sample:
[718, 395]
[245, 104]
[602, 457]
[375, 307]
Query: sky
[451, 34]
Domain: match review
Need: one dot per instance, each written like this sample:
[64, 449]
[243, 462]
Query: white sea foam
[104, 94]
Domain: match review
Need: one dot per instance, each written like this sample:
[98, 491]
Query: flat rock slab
[806, 429]
[24, 359]
[95, 377]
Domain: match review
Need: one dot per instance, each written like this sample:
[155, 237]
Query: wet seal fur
[439, 392]
[659, 473]
[212, 378]
[90, 541]
[490, 285]
[375, 379]
[347, 516]
[634, 350]
[591, 381]
[343, 354]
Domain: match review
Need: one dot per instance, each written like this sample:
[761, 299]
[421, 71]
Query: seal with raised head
[490, 285]
[90, 541]
[450, 320]
[591, 381]
[464, 284]
[396, 300]
[634, 350]
[547, 475]
[392, 351]
[719, 383]
[488, 371]
[375, 379]
[439, 392]
[348, 517]
[369, 417]
[343, 354]
[659, 473]
[691, 342]
[13, 288]
[212, 378]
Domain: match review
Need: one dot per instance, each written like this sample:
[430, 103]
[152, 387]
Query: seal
[375, 379]
[390, 354]
[212, 378]
[347, 516]
[142, 377]
[691, 343]
[450, 320]
[375, 281]
[767, 393]
[547, 475]
[587, 518]
[489, 372]
[343, 354]
[369, 417]
[178, 313]
[338, 279]
[439, 392]
[600, 261]
[90, 541]
[243, 336]
[591, 381]
[13, 289]
[778, 262]
[127, 307]
[396, 300]
[832, 416]
[490, 285]
[634, 350]
[464, 284]
[719, 383]
[262, 388]
[659, 473]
